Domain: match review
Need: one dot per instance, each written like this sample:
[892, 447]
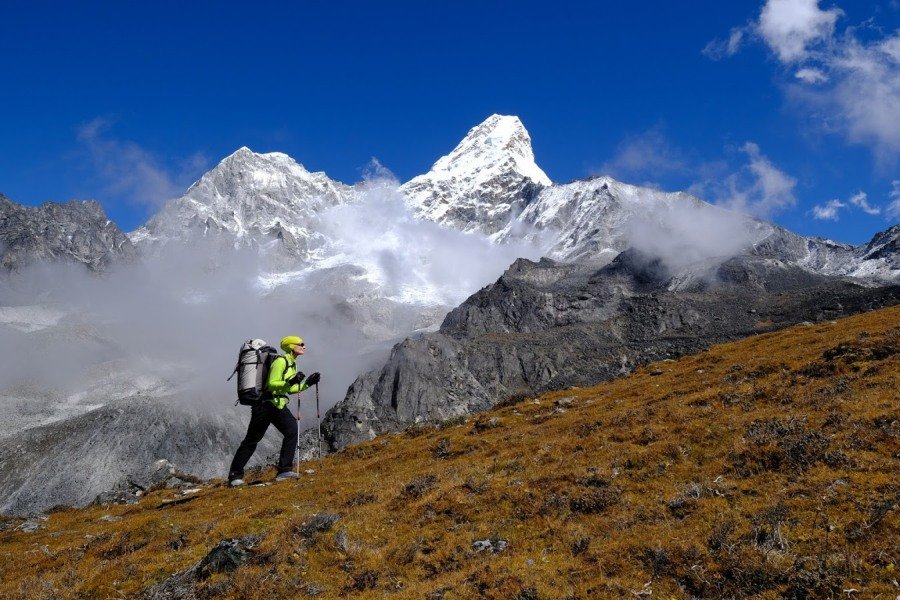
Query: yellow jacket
[283, 368]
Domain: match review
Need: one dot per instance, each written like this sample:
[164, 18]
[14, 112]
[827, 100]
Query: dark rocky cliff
[548, 325]
[74, 460]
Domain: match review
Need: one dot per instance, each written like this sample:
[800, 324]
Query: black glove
[296, 378]
[313, 379]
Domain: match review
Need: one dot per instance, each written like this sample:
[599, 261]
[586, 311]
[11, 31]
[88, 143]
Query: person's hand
[313, 379]
[296, 378]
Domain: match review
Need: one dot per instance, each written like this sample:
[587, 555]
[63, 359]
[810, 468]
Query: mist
[171, 324]
[691, 233]
[415, 260]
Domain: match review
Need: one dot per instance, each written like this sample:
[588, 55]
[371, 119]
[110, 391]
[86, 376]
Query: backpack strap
[238, 364]
[265, 393]
[286, 363]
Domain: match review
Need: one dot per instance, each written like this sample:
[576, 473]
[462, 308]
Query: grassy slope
[767, 466]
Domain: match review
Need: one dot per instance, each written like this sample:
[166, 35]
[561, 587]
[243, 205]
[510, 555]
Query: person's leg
[286, 423]
[260, 418]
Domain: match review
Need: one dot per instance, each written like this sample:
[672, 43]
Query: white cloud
[789, 27]
[768, 190]
[866, 94]
[860, 200]
[719, 49]
[828, 211]
[893, 209]
[811, 75]
[831, 209]
[758, 187]
[644, 158]
[853, 82]
[131, 173]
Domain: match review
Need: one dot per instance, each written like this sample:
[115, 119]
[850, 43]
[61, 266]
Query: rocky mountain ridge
[549, 326]
[76, 231]
[257, 199]
[489, 183]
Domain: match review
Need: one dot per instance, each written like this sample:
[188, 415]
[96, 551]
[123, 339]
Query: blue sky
[789, 109]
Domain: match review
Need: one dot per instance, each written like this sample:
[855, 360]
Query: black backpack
[254, 360]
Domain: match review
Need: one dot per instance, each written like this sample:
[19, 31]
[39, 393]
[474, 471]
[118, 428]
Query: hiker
[283, 379]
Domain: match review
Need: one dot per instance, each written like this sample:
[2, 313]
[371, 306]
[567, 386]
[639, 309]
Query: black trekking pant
[264, 414]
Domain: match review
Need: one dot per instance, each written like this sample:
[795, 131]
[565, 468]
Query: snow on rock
[257, 198]
[484, 181]
[488, 184]
[598, 218]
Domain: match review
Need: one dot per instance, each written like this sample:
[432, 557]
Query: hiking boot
[236, 482]
[287, 475]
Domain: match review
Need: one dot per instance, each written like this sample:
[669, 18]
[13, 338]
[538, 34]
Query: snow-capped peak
[484, 180]
[496, 142]
[255, 197]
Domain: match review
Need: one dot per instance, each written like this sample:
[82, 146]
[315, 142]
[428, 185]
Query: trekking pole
[319, 419]
[298, 434]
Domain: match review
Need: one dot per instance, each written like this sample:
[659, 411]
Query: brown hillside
[767, 467]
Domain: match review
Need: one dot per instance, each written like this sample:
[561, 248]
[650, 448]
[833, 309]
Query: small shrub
[816, 577]
[527, 594]
[766, 534]
[580, 545]
[360, 499]
[859, 531]
[657, 560]
[452, 422]
[719, 539]
[681, 506]
[553, 505]
[475, 487]
[818, 369]
[419, 486]
[513, 399]
[442, 449]
[646, 437]
[125, 543]
[586, 429]
[483, 424]
[595, 500]
[362, 581]
[778, 445]
[765, 369]
[312, 526]
[417, 429]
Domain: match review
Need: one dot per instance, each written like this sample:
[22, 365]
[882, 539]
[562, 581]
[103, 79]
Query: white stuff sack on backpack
[252, 368]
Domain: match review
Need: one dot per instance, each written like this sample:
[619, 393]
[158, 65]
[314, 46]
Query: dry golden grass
[766, 468]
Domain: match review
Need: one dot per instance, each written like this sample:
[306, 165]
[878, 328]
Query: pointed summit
[243, 151]
[247, 160]
[481, 182]
[500, 141]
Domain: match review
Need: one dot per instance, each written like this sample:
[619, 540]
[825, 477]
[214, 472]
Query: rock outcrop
[116, 448]
[76, 231]
[549, 325]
